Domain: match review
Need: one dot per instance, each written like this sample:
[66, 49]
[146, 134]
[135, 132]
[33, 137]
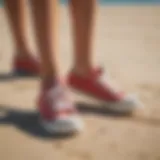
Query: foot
[26, 66]
[94, 84]
[57, 111]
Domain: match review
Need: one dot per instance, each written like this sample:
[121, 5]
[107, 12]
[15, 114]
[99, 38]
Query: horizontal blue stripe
[123, 1]
[118, 2]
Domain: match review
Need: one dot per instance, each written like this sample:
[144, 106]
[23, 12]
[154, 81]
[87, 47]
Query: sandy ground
[127, 45]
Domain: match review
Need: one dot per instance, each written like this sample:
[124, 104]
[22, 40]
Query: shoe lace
[58, 98]
[105, 81]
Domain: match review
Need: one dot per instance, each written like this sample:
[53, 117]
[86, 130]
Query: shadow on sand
[5, 77]
[28, 121]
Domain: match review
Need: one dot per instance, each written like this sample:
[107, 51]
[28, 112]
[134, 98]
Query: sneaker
[26, 66]
[57, 110]
[99, 87]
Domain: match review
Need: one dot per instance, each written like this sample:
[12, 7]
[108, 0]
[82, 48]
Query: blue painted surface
[116, 2]
[130, 1]
[1, 2]
[123, 1]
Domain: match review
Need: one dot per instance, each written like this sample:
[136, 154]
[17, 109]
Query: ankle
[22, 54]
[82, 70]
[48, 82]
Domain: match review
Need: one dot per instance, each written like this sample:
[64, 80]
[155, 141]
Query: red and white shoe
[26, 66]
[97, 86]
[57, 110]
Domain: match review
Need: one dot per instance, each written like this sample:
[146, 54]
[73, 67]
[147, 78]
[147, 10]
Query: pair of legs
[56, 108]
[45, 15]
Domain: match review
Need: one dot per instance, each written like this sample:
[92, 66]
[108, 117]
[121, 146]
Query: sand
[127, 45]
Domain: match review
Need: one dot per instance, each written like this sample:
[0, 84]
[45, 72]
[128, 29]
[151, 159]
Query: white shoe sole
[64, 125]
[128, 105]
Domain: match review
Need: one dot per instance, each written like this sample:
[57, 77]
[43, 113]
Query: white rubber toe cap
[64, 125]
[128, 104]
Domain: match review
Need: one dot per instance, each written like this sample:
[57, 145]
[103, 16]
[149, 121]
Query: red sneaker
[26, 66]
[57, 111]
[99, 87]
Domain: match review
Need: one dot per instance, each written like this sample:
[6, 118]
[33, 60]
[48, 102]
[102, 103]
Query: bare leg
[57, 111]
[45, 14]
[16, 12]
[84, 77]
[83, 13]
